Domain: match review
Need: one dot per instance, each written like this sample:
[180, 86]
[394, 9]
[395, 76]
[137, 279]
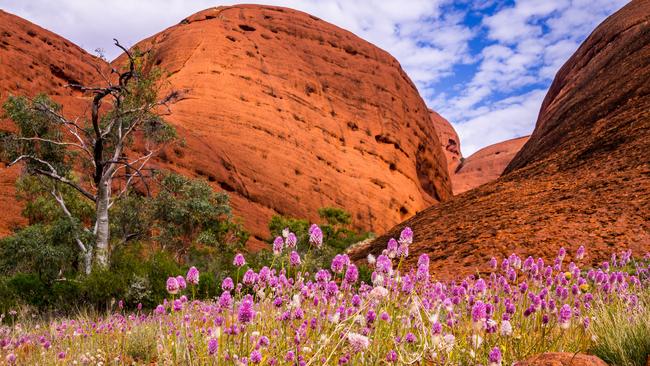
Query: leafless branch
[53, 174]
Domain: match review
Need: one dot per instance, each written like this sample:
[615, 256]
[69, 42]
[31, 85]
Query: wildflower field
[280, 315]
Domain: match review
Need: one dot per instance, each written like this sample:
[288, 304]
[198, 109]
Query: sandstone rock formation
[583, 178]
[34, 60]
[449, 141]
[481, 167]
[562, 359]
[289, 113]
[485, 165]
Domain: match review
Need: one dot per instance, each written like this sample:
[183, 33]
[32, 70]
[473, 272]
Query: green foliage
[187, 211]
[35, 122]
[337, 237]
[45, 251]
[621, 332]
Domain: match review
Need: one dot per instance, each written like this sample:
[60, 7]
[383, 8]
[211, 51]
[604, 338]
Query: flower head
[292, 240]
[239, 260]
[406, 236]
[246, 312]
[181, 282]
[564, 316]
[294, 259]
[495, 357]
[172, 285]
[358, 342]
[315, 236]
[278, 244]
[193, 276]
[227, 284]
[213, 346]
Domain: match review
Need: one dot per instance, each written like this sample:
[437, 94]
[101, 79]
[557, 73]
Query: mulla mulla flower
[278, 245]
[494, 357]
[172, 285]
[239, 260]
[315, 236]
[564, 316]
[193, 276]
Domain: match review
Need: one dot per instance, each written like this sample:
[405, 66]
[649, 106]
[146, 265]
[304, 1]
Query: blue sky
[484, 65]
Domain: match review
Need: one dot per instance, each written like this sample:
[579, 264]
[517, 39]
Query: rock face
[481, 167]
[583, 178]
[449, 141]
[485, 165]
[562, 359]
[34, 60]
[289, 113]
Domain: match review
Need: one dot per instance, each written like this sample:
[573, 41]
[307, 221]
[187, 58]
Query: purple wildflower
[564, 316]
[294, 259]
[351, 274]
[239, 260]
[315, 236]
[193, 276]
[213, 346]
[292, 240]
[181, 282]
[172, 285]
[495, 357]
[406, 236]
[278, 244]
[227, 284]
[246, 312]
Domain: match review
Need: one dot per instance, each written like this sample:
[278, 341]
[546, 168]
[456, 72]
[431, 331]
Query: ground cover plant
[280, 314]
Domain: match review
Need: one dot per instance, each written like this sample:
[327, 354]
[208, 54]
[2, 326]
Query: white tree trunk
[88, 260]
[102, 225]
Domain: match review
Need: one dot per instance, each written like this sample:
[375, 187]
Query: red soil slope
[289, 113]
[583, 178]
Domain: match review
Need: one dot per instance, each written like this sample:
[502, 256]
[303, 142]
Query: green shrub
[30, 289]
[621, 332]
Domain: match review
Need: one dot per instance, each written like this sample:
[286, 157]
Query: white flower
[335, 318]
[358, 341]
[285, 232]
[371, 259]
[379, 292]
[506, 328]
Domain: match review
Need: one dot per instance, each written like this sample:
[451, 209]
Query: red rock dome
[289, 113]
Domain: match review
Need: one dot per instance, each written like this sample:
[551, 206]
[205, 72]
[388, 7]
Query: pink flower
[213, 346]
[316, 236]
[172, 285]
[294, 259]
[406, 236]
[278, 245]
[292, 240]
[181, 282]
[239, 260]
[227, 284]
[193, 276]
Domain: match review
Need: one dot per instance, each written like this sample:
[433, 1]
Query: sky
[484, 65]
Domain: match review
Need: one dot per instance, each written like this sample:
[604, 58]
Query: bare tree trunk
[102, 225]
[88, 260]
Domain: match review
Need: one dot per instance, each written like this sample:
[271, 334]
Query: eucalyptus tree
[100, 155]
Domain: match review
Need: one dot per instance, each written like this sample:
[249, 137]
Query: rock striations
[289, 113]
[583, 178]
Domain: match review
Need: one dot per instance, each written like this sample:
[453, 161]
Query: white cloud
[512, 115]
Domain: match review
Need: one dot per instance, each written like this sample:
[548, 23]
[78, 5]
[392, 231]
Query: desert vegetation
[282, 314]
